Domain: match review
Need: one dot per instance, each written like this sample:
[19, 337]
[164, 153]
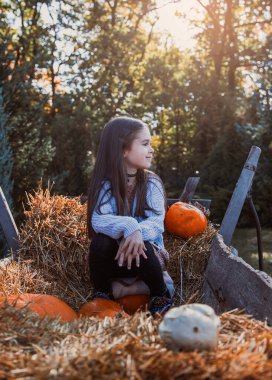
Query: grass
[245, 241]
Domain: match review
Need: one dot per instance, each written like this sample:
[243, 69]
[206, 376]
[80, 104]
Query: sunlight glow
[179, 28]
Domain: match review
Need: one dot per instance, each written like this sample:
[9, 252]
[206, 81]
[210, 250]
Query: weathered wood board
[231, 283]
[189, 189]
[8, 224]
[239, 194]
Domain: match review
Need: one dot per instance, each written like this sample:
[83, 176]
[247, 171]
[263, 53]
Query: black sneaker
[106, 296]
[160, 305]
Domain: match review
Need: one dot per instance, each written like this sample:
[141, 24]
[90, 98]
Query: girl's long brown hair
[118, 135]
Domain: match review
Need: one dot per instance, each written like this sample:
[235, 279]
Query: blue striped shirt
[116, 226]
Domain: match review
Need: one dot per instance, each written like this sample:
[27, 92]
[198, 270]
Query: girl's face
[139, 156]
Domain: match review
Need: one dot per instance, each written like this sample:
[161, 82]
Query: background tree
[232, 45]
[67, 67]
[29, 136]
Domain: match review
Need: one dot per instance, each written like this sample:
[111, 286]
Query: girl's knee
[149, 247]
[102, 244]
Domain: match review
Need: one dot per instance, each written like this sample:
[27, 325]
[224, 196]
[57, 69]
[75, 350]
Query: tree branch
[252, 23]
[211, 14]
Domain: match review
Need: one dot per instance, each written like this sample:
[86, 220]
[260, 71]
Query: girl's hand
[120, 256]
[132, 257]
[132, 246]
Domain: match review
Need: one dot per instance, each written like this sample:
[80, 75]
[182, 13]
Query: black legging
[103, 267]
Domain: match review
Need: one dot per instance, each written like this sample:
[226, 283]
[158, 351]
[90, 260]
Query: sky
[180, 28]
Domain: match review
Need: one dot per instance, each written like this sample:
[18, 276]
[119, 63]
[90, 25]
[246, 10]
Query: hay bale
[52, 260]
[53, 246]
[187, 264]
[54, 238]
[128, 349]
[21, 277]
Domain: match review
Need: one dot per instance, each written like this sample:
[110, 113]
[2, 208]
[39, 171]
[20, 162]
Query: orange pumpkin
[132, 303]
[41, 304]
[101, 308]
[185, 220]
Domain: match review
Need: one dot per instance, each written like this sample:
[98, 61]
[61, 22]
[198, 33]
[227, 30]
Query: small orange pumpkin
[185, 220]
[132, 303]
[101, 308]
[41, 304]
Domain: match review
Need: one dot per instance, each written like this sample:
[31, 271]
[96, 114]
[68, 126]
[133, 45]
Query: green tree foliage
[30, 135]
[72, 139]
[233, 47]
[115, 38]
[259, 119]
[103, 77]
[222, 169]
[165, 102]
[68, 67]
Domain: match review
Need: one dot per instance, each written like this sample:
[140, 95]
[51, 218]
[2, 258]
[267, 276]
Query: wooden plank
[8, 224]
[189, 189]
[242, 188]
[230, 283]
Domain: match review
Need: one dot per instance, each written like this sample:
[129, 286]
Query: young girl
[126, 211]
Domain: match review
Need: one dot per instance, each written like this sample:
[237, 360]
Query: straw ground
[52, 260]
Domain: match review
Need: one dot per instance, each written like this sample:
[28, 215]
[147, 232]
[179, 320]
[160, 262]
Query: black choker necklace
[131, 175]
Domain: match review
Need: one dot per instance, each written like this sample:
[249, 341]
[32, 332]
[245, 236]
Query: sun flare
[171, 21]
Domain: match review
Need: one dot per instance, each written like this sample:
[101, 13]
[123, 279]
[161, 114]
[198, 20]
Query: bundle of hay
[54, 244]
[187, 264]
[127, 349]
[53, 239]
[18, 277]
[52, 260]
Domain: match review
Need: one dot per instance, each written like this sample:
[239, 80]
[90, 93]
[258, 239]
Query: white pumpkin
[190, 327]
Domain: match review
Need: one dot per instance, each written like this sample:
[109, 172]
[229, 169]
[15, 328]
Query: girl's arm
[153, 226]
[109, 224]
